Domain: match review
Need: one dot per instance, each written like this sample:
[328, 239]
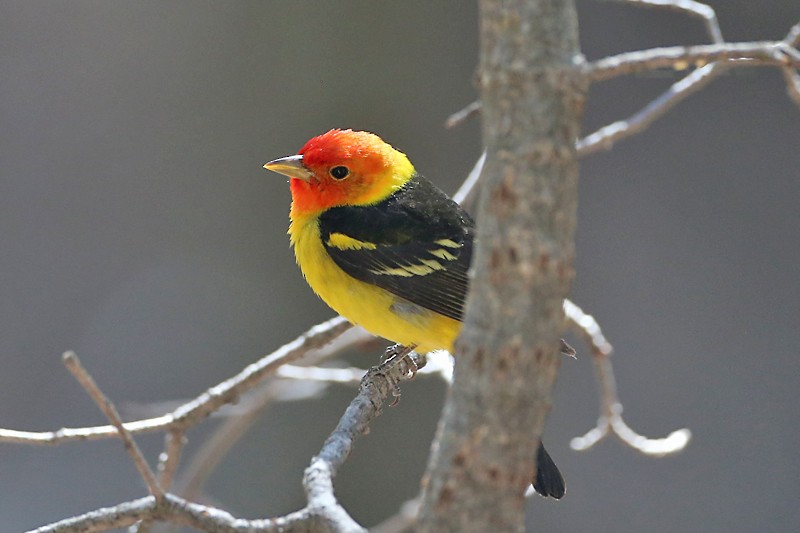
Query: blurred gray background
[138, 228]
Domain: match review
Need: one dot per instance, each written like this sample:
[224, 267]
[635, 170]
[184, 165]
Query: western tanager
[384, 247]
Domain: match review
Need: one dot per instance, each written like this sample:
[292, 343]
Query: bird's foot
[402, 358]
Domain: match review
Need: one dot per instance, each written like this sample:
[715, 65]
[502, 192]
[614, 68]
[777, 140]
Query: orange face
[342, 167]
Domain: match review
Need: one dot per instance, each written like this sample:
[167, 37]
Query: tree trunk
[507, 356]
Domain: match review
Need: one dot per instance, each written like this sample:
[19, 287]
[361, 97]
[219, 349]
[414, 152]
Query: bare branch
[227, 434]
[170, 509]
[375, 388]
[793, 37]
[105, 518]
[610, 420]
[221, 441]
[607, 136]
[689, 7]
[202, 406]
[712, 59]
[73, 364]
[168, 461]
[760, 53]
[346, 376]
[783, 53]
[457, 118]
[323, 512]
[468, 192]
[792, 78]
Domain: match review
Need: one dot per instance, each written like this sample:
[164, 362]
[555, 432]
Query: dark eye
[340, 172]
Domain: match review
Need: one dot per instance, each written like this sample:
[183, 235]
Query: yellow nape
[395, 174]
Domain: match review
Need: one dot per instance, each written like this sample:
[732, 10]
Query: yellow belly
[375, 309]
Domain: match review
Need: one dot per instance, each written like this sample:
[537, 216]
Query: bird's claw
[394, 356]
[395, 394]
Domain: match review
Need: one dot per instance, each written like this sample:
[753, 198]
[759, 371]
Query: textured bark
[507, 356]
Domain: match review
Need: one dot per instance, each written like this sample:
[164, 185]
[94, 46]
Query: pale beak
[291, 166]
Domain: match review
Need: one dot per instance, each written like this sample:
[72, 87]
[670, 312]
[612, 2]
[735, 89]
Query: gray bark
[507, 358]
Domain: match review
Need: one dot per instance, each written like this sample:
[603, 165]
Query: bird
[384, 247]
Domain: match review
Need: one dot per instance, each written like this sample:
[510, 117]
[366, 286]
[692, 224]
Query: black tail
[548, 482]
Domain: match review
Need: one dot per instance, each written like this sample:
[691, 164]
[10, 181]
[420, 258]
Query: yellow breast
[375, 309]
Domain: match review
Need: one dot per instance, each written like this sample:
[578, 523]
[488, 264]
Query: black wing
[416, 244]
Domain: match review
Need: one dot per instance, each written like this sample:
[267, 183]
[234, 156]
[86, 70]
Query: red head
[342, 167]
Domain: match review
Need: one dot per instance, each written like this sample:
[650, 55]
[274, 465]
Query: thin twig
[457, 118]
[792, 84]
[221, 441]
[689, 7]
[323, 512]
[227, 434]
[344, 376]
[712, 59]
[610, 420]
[203, 405]
[783, 53]
[467, 194]
[762, 53]
[74, 365]
[168, 462]
[605, 137]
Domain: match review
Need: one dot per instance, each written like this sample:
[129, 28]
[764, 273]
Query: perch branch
[323, 512]
[318, 479]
